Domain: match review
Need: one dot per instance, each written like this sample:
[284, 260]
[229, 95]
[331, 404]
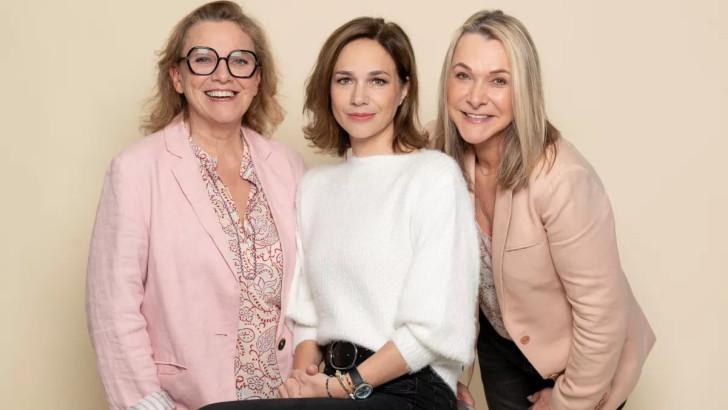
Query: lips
[477, 118]
[360, 116]
[221, 94]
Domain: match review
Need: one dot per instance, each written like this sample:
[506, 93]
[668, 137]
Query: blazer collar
[176, 136]
[187, 173]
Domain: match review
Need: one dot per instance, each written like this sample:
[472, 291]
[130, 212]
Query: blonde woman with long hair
[559, 326]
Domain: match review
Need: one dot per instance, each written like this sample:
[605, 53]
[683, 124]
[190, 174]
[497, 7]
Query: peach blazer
[564, 297]
[161, 296]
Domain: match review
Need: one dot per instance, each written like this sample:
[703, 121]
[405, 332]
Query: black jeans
[508, 377]
[421, 390]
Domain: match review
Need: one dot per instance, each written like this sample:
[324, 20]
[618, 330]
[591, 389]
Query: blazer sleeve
[301, 308]
[579, 223]
[116, 275]
[434, 316]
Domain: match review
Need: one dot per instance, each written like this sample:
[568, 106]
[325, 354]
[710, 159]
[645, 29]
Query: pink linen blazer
[162, 299]
[564, 297]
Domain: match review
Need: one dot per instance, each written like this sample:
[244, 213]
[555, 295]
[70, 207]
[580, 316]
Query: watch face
[363, 391]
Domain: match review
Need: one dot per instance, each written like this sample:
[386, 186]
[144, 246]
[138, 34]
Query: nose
[478, 94]
[221, 73]
[359, 94]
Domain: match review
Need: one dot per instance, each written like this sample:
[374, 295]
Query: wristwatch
[362, 389]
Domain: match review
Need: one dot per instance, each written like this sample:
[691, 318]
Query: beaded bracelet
[327, 388]
[341, 382]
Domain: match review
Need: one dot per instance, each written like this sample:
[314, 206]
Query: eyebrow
[498, 71]
[371, 73]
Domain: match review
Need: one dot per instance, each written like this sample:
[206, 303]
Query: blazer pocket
[169, 368]
[518, 247]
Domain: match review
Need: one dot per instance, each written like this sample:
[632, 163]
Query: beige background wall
[639, 86]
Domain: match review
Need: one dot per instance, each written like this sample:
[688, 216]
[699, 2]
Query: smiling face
[479, 89]
[366, 92]
[219, 99]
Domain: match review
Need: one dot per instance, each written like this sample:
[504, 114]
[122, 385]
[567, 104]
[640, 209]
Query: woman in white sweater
[388, 268]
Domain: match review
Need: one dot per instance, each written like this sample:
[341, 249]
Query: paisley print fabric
[257, 256]
[488, 297]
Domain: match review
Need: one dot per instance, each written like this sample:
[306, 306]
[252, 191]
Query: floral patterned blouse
[487, 295]
[258, 263]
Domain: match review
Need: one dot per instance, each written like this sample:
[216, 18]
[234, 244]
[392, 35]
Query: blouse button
[525, 340]
[282, 344]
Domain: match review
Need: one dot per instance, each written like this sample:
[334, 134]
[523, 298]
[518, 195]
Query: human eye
[344, 80]
[462, 75]
[379, 82]
[239, 61]
[202, 59]
[203, 56]
[240, 58]
[500, 81]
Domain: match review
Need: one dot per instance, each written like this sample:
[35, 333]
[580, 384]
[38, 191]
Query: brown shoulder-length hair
[530, 140]
[322, 129]
[264, 113]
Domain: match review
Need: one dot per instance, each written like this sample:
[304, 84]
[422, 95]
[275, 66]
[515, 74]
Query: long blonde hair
[264, 113]
[530, 137]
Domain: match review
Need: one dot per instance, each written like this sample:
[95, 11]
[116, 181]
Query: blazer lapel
[187, 173]
[501, 222]
[276, 188]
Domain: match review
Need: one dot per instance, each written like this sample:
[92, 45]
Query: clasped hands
[310, 383]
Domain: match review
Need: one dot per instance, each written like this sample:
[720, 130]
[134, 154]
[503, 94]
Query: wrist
[360, 389]
[337, 387]
[344, 385]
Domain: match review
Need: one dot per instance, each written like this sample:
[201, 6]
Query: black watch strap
[356, 378]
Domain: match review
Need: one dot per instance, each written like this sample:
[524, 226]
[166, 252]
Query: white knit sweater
[388, 250]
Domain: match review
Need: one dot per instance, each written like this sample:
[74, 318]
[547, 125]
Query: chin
[227, 118]
[359, 136]
[357, 133]
[475, 135]
[472, 135]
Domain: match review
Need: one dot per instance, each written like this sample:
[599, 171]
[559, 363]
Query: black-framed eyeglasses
[204, 61]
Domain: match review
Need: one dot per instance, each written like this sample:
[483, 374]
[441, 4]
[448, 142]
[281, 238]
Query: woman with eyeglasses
[388, 248]
[559, 325]
[193, 248]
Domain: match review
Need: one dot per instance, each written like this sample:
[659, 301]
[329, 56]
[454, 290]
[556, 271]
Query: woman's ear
[405, 90]
[176, 78]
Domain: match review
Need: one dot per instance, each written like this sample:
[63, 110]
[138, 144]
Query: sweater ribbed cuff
[414, 353]
[159, 400]
[301, 333]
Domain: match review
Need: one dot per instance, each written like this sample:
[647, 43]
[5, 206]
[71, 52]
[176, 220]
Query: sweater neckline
[379, 158]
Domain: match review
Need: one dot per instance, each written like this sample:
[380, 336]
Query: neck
[488, 154]
[380, 144]
[216, 139]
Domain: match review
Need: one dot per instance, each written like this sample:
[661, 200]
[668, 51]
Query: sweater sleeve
[434, 316]
[301, 312]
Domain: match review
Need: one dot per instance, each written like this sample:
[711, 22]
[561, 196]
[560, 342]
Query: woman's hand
[541, 399]
[313, 385]
[289, 389]
[463, 395]
[309, 383]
